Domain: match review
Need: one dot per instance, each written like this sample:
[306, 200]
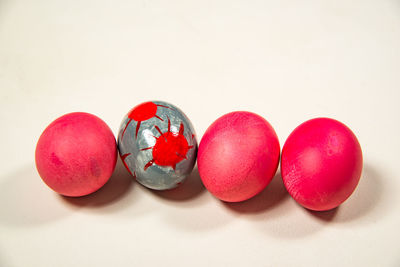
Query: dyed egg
[76, 154]
[238, 156]
[321, 163]
[157, 145]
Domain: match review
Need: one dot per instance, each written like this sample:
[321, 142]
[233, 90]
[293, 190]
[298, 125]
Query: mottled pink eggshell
[321, 163]
[76, 154]
[238, 156]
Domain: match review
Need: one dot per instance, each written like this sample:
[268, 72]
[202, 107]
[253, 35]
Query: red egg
[76, 154]
[238, 156]
[321, 163]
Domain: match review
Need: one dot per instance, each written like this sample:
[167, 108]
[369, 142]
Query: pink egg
[76, 154]
[321, 163]
[238, 156]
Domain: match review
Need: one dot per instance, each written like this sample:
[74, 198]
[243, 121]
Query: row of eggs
[321, 161]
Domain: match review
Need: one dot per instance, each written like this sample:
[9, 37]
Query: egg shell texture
[321, 163]
[76, 154]
[238, 156]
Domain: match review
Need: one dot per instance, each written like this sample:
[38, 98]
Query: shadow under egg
[191, 188]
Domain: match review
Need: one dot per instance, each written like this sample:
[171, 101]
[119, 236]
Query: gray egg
[157, 144]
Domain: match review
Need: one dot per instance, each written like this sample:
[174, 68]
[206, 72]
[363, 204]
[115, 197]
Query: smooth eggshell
[321, 163]
[238, 156]
[76, 154]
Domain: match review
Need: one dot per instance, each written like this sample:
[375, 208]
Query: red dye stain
[142, 112]
[123, 157]
[55, 159]
[170, 148]
[94, 167]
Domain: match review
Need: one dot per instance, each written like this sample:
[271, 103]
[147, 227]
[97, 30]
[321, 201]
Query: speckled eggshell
[321, 163]
[76, 154]
[157, 144]
[238, 156]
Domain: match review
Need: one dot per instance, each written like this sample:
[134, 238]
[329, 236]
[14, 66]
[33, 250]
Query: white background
[288, 61]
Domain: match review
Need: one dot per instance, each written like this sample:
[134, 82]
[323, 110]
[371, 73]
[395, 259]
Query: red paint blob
[76, 154]
[238, 156]
[142, 112]
[321, 163]
[170, 148]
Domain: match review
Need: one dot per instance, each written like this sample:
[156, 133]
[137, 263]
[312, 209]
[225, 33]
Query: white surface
[288, 61]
